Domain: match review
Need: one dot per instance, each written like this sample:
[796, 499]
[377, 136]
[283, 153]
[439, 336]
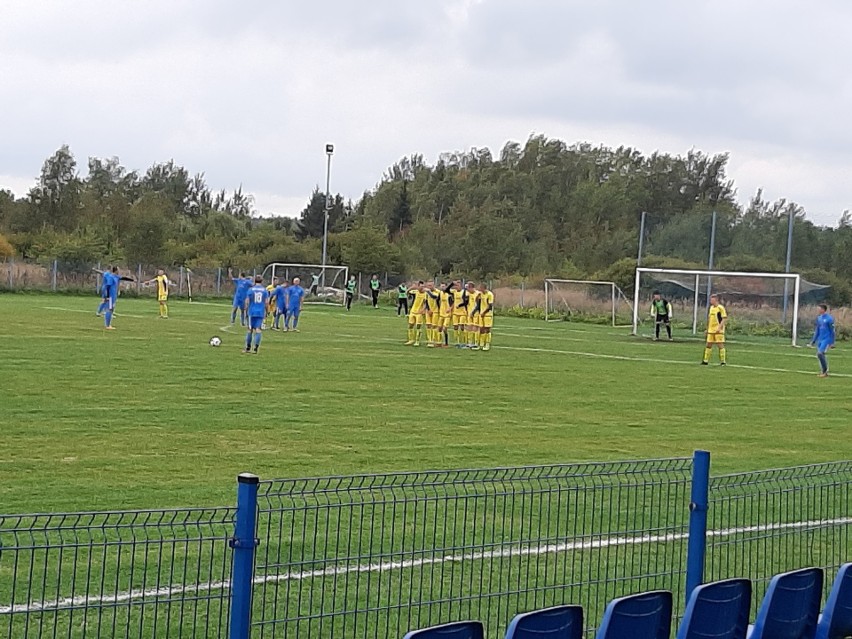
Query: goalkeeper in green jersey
[661, 311]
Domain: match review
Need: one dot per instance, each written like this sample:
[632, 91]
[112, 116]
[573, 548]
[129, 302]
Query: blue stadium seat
[559, 622]
[790, 608]
[647, 615]
[719, 610]
[457, 630]
[836, 619]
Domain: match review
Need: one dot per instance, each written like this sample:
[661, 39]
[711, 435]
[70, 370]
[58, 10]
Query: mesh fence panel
[155, 573]
[767, 522]
[377, 555]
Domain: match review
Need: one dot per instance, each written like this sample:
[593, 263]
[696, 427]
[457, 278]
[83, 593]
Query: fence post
[219, 281]
[11, 276]
[138, 278]
[698, 504]
[98, 280]
[243, 542]
[53, 277]
[180, 282]
[523, 282]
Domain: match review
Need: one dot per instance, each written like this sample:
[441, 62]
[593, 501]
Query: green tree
[149, 230]
[56, 198]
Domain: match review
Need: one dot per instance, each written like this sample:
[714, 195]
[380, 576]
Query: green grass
[151, 416]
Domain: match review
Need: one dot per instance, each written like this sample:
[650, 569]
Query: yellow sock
[165, 310]
[707, 353]
[723, 354]
[488, 339]
[410, 334]
[481, 340]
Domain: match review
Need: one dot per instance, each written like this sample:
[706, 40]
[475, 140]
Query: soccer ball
[215, 341]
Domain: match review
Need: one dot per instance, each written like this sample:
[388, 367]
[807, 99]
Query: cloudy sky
[250, 92]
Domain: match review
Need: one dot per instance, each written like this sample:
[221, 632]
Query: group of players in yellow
[467, 310]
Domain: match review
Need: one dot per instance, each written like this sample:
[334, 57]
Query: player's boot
[703, 363]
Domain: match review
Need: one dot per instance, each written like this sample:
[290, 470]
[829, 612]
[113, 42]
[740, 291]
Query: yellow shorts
[430, 318]
[445, 321]
[415, 319]
[486, 321]
[715, 338]
[459, 319]
[473, 320]
[162, 298]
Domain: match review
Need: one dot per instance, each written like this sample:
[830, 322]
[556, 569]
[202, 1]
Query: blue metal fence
[151, 573]
[375, 555]
[765, 522]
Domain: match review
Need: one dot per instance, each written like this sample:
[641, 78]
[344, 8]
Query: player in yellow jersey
[416, 314]
[459, 314]
[445, 315]
[433, 308]
[717, 318]
[163, 283]
[271, 305]
[472, 327]
[486, 317]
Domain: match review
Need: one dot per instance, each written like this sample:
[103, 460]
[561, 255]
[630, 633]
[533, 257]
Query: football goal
[323, 283]
[587, 298]
[771, 301]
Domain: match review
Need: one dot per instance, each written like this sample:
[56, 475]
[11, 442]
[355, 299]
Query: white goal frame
[614, 294]
[277, 268]
[698, 274]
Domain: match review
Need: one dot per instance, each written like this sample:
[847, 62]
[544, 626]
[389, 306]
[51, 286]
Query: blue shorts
[280, 309]
[294, 312]
[256, 323]
[239, 302]
[822, 347]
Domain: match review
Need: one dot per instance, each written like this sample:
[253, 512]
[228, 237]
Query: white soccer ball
[215, 341]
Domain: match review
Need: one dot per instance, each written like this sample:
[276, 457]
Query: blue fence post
[244, 542]
[699, 500]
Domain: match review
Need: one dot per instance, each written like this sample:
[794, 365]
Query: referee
[661, 311]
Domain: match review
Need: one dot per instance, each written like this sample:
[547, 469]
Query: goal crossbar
[795, 278]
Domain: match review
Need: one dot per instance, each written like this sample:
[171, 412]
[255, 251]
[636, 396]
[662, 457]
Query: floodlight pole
[710, 262]
[641, 239]
[787, 264]
[329, 151]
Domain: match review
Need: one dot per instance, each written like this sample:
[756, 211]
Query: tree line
[543, 208]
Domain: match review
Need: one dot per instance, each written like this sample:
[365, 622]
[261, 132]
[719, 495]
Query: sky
[249, 93]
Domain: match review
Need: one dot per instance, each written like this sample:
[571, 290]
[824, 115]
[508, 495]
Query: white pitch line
[387, 566]
[628, 358]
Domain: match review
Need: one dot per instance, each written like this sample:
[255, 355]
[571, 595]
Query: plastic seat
[836, 620]
[790, 608]
[457, 630]
[647, 615]
[719, 610]
[559, 622]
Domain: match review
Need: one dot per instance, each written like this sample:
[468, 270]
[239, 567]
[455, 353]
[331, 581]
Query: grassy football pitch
[150, 415]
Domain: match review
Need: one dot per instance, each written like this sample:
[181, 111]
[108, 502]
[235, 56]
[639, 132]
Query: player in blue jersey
[241, 287]
[295, 295]
[279, 296]
[823, 338]
[109, 294]
[255, 307]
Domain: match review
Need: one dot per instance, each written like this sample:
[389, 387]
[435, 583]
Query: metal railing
[765, 522]
[147, 573]
[376, 555]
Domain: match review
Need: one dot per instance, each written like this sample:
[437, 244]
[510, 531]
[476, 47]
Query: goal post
[331, 280]
[759, 295]
[583, 297]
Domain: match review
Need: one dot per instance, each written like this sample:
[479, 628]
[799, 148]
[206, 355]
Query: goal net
[324, 283]
[586, 299]
[761, 303]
